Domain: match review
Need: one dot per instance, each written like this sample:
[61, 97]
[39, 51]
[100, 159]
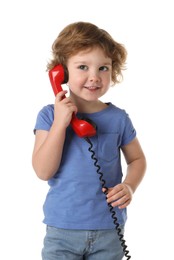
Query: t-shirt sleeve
[128, 130]
[44, 118]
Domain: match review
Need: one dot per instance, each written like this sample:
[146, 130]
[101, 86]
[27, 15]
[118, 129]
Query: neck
[85, 106]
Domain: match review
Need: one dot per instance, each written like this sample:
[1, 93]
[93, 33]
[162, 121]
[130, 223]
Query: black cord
[113, 214]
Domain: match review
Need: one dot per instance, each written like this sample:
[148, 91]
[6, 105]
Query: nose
[94, 77]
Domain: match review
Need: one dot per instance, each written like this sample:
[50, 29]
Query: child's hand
[63, 109]
[120, 195]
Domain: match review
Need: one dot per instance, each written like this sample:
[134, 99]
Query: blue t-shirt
[75, 199]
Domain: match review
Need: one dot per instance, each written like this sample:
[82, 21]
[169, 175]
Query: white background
[27, 30]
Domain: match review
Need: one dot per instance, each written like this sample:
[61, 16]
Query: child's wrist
[129, 187]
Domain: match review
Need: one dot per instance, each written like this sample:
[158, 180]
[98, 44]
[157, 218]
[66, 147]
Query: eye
[104, 68]
[83, 67]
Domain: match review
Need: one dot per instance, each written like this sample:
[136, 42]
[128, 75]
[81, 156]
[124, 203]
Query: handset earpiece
[82, 127]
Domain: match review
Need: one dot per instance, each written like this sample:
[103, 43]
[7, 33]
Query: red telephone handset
[83, 128]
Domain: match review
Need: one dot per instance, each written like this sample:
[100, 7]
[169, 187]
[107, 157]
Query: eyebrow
[108, 64]
[84, 62]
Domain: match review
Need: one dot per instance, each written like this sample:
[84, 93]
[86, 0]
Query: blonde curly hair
[80, 36]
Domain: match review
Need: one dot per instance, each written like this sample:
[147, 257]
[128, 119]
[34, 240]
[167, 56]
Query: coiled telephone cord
[113, 214]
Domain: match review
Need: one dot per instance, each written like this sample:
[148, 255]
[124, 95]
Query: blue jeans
[66, 244]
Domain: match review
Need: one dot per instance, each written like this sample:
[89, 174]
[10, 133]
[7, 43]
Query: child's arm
[48, 146]
[121, 194]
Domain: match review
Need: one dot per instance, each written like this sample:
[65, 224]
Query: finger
[61, 95]
[115, 193]
[112, 191]
[72, 108]
[124, 205]
[122, 202]
[116, 196]
[120, 189]
[105, 191]
[108, 190]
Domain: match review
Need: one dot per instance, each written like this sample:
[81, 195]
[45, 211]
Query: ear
[66, 75]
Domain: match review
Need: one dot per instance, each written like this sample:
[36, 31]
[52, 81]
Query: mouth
[92, 88]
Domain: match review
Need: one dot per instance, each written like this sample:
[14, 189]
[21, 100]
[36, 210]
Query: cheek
[76, 80]
[107, 81]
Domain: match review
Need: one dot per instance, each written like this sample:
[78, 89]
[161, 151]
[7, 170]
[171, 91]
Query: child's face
[89, 74]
